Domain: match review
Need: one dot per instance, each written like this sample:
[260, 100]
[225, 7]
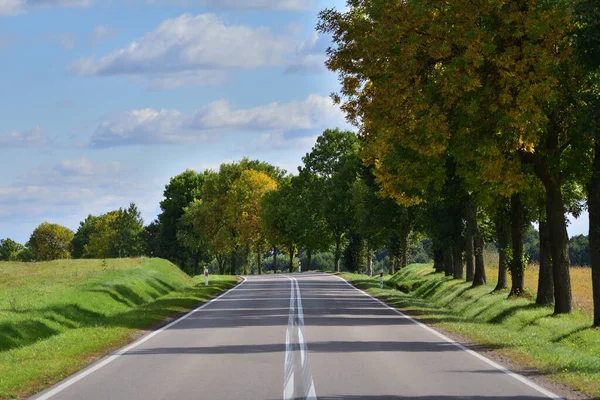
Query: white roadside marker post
[381, 280]
[299, 266]
[205, 276]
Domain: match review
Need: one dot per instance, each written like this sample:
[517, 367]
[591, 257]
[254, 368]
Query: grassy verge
[57, 317]
[565, 348]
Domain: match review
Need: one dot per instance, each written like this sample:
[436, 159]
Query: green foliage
[354, 259]
[10, 250]
[51, 242]
[579, 250]
[179, 192]
[117, 233]
[82, 237]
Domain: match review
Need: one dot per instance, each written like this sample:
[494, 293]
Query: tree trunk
[557, 228]
[259, 258]
[234, 262]
[309, 259]
[457, 254]
[403, 248]
[438, 260]
[516, 265]
[291, 266]
[448, 266]
[594, 238]
[338, 242]
[196, 265]
[545, 292]
[274, 260]
[471, 218]
[247, 268]
[503, 234]
[479, 278]
[221, 261]
[369, 262]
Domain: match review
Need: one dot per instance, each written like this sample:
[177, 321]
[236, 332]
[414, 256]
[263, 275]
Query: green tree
[277, 216]
[51, 242]
[587, 50]
[9, 250]
[118, 233]
[579, 250]
[431, 78]
[82, 237]
[244, 214]
[178, 194]
[334, 160]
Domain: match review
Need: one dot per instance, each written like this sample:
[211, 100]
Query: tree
[579, 250]
[244, 208]
[82, 237]
[9, 250]
[51, 242]
[178, 194]
[587, 50]
[277, 216]
[118, 233]
[151, 239]
[334, 160]
[309, 221]
[428, 79]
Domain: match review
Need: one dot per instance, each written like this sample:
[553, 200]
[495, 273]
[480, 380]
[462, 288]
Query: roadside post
[205, 276]
[381, 280]
[299, 266]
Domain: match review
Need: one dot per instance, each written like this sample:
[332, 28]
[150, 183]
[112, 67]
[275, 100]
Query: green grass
[566, 348]
[56, 317]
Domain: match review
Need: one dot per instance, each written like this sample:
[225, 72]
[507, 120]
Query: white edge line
[518, 377]
[80, 375]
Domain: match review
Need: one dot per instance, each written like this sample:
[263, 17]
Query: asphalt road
[299, 336]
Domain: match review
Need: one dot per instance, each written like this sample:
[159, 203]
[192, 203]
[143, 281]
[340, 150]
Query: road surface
[297, 336]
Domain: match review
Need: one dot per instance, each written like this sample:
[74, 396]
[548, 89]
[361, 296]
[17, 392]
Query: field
[565, 348]
[56, 317]
[581, 282]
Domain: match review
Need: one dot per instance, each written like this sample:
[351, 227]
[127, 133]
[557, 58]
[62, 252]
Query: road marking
[288, 374]
[499, 367]
[295, 333]
[79, 376]
[306, 370]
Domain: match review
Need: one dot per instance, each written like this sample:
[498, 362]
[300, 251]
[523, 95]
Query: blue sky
[103, 101]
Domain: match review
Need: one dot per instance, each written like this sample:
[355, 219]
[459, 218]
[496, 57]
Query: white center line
[297, 380]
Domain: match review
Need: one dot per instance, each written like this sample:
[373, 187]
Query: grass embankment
[566, 348]
[56, 317]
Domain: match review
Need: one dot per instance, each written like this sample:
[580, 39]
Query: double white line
[298, 382]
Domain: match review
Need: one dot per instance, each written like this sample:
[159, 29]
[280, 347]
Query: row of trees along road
[489, 104]
[475, 119]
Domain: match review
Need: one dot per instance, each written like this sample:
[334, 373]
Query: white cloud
[193, 46]
[14, 7]
[101, 32]
[143, 127]
[24, 138]
[11, 7]
[191, 43]
[172, 126]
[65, 192]
[313, 112]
